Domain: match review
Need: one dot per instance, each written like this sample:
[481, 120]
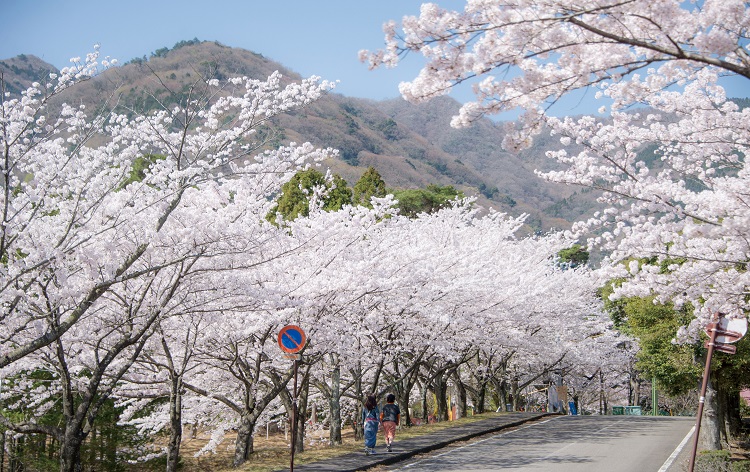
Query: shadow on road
[545, 442]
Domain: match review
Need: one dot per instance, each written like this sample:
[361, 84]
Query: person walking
[371, 422]
[390, 417]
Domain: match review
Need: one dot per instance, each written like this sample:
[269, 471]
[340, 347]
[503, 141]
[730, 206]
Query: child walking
[370, 422]
[390, 417]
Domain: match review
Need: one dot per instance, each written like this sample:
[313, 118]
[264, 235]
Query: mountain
[19, 72]
[410, 145]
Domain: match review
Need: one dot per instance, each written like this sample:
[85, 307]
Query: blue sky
[310, 37]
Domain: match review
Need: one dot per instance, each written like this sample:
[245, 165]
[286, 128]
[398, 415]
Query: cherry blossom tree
[166, 361]
[670, 155]
[87, 251]
[337, 286]
[682, 201]
[386, 303]
[454, 282]
[58, 203]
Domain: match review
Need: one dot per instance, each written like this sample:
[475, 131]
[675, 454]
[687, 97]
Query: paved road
[570, 443]
[424, 444]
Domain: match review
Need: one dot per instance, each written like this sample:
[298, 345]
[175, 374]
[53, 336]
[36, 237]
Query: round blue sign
[292, 339]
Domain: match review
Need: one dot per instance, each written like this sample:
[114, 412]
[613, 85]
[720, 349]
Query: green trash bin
[618, 410]
[633, 410]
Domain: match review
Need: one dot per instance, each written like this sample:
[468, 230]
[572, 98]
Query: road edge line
[668, 463]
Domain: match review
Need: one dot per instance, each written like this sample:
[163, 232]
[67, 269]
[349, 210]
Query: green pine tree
[412, 202]
[370, 185]
[294, 200]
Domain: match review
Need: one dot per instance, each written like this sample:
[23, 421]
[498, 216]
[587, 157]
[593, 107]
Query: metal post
[702, 399]
[654, 398]
[294, 418]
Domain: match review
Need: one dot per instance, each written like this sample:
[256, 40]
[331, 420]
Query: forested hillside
[21, 71]
[410, 145]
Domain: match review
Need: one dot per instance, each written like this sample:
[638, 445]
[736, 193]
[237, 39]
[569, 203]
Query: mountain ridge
[410, 145]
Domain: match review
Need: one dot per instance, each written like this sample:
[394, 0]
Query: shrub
[719, 461]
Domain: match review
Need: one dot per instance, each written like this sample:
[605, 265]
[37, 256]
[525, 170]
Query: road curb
[352, 462]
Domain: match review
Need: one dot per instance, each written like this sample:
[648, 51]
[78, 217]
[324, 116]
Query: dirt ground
[270, 452]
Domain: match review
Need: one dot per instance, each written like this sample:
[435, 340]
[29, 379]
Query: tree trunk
[461, 402]
[175, 423]
[514, 392]
[243, 447]
[2, 451]
[478, 393]
[359, 431]
[635, 384]
[112, 443]
[70, 450]
[502, 392]
[359, 428]
[251, 411]
[15, 452]
[402, 390]
[732, 414]
[495, 392]
[299, 444]
[403, 401]
[479, 401]
[710, 437]
[730, 421]
[73, 434]
[95, 445]
[440, 389]
[334, 404]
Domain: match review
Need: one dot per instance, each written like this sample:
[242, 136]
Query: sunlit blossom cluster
[670, 154]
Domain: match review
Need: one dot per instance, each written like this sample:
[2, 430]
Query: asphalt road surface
[571, 444]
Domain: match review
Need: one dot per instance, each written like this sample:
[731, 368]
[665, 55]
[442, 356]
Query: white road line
[663, 468]
[676, 452]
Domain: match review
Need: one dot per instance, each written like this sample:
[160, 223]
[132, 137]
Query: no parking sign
[292, 339]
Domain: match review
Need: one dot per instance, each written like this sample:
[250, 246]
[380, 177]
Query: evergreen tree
[574, 256]
[370, 185]
[294, 200]
[338, 194]
[412, 202]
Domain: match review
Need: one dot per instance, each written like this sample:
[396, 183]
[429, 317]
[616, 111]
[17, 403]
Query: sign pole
[292, 341]
[702, 399]
[294, 417]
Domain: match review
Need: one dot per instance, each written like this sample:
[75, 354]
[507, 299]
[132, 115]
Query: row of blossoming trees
[670, 153]
[139, 272]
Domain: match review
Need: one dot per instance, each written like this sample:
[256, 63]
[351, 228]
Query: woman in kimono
[371, 422]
